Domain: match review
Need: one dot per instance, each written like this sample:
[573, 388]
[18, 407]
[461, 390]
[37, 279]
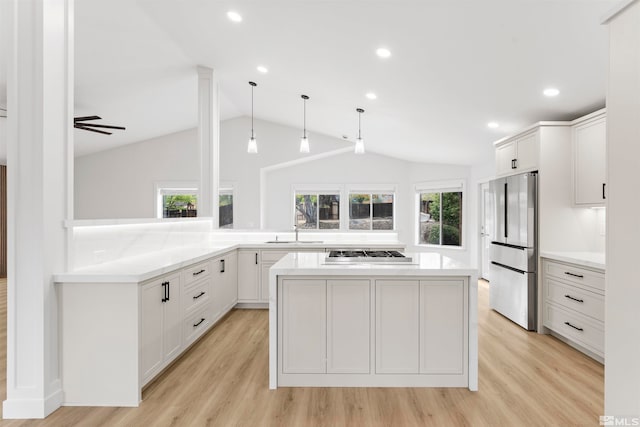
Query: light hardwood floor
[526, 379]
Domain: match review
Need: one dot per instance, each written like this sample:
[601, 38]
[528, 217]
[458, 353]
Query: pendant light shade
[359, 141]
[304, 141]
[252, 147]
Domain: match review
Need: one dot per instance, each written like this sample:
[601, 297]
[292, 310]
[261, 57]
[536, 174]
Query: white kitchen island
[373, 325]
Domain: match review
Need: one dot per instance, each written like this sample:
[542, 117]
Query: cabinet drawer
[196, 272]
[273, 256]
[581, 329]
[197, 324]
[575, 274]
[582, 301]
[196, 295]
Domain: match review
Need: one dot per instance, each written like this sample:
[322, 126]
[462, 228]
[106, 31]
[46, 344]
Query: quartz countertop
[585, 259]
[424, 264]
[139, 268]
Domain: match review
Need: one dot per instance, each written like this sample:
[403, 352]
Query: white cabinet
[348, 326]
[326, 326]
[589, 160]
[229, 283]
[442, 349]
[248, 276]
[304, 329]
[161, 324]
[517, 154]
[397, 326]
[574, 304]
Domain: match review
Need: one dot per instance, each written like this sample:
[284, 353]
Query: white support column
[208, 136]
[39, 199]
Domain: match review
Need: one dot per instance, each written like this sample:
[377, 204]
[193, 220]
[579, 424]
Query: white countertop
[425, 264]
[143, 267]
[585, 259]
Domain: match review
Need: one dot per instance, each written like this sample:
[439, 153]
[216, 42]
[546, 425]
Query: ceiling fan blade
[92, 130]
[102, 126]
[84, 118]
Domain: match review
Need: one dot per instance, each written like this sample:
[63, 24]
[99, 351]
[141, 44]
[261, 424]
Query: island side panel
[99, 344]
[473, 332]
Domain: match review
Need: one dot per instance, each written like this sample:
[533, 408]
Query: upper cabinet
[589, 146]
[517, 154]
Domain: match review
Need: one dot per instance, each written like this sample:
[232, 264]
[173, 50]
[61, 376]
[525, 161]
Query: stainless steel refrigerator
[513, 252]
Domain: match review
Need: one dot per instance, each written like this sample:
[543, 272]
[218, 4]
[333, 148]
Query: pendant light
[252, 147]
[304, 141]
[359, 141]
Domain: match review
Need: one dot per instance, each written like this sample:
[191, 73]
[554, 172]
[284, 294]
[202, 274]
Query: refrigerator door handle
[506, 211]
[508, 268]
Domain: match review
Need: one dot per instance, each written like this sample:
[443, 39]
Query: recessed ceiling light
[371, 95]
[234, 16]
[262, 69]
[383, 52]
[493, 125]
[551, 91]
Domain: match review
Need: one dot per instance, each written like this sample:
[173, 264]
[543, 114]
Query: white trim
[454, 184]
[371, 188]
[33, 408]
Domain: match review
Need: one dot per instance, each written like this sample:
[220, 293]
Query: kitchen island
[373, 324]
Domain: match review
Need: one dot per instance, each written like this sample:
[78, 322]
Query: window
[317, 211]
[371, 211]
[225, 208]
[440, 216]
[178, 202]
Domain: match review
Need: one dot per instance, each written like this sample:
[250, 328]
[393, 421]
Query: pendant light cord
[251, 111]
[304, 117]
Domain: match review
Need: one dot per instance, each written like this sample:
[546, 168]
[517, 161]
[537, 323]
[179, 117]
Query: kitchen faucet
[295, 228]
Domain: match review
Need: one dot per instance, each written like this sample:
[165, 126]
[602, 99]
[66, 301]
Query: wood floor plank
[525, 379]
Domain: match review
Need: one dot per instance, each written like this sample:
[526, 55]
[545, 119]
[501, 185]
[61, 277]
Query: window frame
[227, 188]
[164, 188]
[448, 186]
[318, 190]
[370, 189]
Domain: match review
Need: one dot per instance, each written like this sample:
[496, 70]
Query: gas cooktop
[356, 256]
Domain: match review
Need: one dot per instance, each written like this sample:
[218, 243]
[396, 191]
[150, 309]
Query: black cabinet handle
[574, 299]
[574, 327]
[168, 291]
[195, 325]
[199, 295]
[164, 291]
[603, 194]
[221, 266]
[256, 258]
[199, 272]
[579, 276]
[514, 163]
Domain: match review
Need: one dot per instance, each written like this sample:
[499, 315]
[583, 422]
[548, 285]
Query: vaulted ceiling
[454, 67]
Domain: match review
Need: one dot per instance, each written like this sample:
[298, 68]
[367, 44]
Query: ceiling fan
[81, 123]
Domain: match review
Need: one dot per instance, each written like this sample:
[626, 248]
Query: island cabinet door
[442, 327]
[397, 326]
[304, 326]
[349, 326]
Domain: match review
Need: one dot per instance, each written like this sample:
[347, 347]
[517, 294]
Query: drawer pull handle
[574, 299]
[580, 276]
[195, 325]
[199, 272]
[199, 295]
[574, 327]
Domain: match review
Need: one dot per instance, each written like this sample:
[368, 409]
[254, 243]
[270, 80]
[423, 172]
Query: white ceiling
[455, 66]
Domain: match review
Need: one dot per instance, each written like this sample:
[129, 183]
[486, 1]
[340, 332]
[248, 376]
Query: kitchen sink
[293, 241]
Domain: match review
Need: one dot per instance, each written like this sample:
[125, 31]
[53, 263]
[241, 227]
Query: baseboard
[577, 346]
[253, 305]
[32, 408]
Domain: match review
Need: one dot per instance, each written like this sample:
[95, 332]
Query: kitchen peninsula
[390, 324]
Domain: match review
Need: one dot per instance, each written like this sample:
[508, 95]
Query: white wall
[622, 328]
[348, 169]
[120, 183]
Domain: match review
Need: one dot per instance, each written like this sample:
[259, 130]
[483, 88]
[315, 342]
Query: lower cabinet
[373, 332]
[248, 276]
[161, 324]
[326, 326]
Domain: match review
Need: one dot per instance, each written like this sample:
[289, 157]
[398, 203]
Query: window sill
[426, 246]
